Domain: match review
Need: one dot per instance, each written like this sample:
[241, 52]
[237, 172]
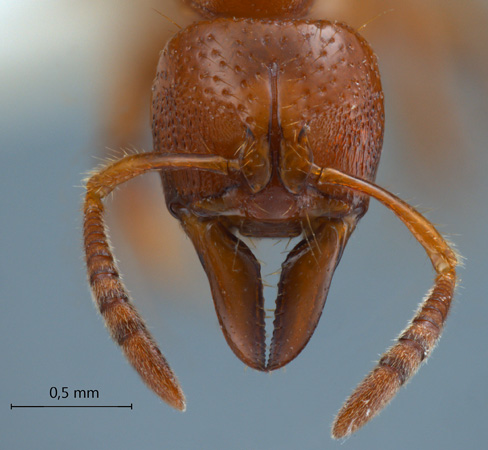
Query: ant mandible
[272, 126]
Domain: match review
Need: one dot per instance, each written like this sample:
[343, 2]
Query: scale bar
[70, 406]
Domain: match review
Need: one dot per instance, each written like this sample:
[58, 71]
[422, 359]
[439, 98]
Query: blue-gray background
[53, 79]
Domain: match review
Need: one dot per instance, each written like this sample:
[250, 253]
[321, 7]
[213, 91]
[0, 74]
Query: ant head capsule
[297, 87]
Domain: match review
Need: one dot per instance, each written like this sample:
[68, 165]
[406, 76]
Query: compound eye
[296, 159]
[254, 160]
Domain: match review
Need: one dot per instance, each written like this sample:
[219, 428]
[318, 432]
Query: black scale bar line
[70, 406]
